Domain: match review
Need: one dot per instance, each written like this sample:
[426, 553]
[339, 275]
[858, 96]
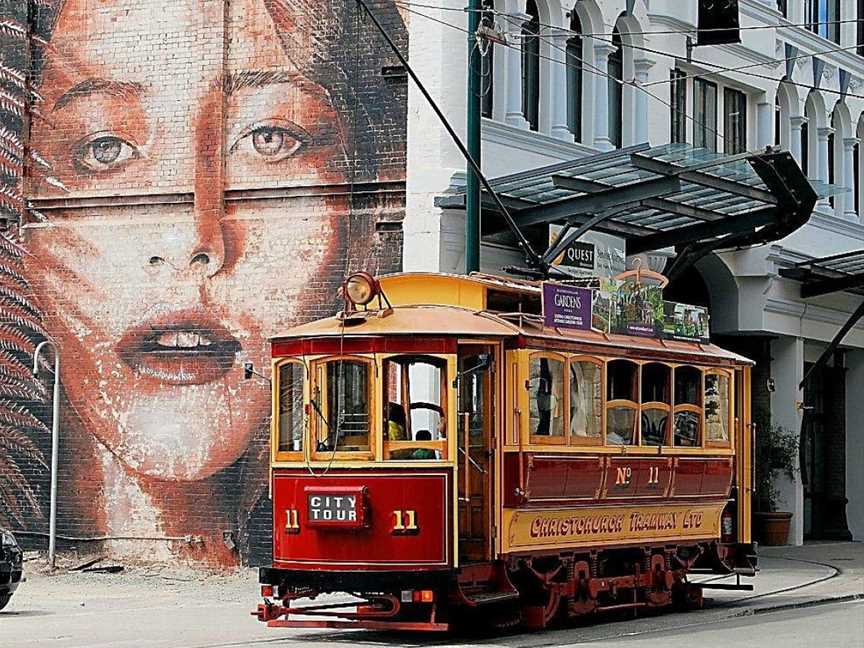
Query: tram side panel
[363, 520]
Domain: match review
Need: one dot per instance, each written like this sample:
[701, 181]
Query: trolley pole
[472, 194]
[55, 443]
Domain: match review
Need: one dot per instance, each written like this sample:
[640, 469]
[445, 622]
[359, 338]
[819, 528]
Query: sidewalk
[792, 577]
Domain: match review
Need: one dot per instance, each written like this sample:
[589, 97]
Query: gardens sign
[566, 306]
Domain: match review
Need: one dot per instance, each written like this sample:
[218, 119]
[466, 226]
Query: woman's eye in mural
[273, 141]
[103, 152]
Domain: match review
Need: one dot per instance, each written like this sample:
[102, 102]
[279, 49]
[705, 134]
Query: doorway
[475, 454]
[823, 453]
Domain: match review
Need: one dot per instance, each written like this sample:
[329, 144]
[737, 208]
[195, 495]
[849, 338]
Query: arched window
[574, 77]
[777, 121]
[616, 96]
[858, 184]
[832, 158]
[814, 111]
[487, 19]
[531, 66]
[785, 98]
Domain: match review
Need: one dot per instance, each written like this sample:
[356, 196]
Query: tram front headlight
[361, 288]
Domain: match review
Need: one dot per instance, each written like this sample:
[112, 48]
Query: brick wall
[182, 179]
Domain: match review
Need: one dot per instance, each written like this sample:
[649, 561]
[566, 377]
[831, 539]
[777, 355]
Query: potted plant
[776, 454]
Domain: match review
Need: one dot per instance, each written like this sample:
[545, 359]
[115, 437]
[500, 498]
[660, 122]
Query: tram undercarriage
[531, 591]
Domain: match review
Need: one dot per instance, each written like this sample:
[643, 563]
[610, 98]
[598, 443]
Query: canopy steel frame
[673, 196]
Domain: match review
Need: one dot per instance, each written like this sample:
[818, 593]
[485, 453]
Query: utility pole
[472, 194]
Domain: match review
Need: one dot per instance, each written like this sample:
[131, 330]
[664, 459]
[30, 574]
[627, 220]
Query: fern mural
[23, 435]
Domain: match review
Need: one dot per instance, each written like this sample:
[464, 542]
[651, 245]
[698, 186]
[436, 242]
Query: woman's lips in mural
[179, 348]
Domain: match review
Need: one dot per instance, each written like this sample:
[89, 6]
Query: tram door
[475, 461]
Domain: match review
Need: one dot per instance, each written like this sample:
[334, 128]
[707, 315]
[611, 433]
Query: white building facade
[795, 80]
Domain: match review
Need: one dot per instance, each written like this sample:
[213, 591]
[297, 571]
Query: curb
[782, 607]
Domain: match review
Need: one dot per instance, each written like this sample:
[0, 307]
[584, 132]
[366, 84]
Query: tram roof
[432, 304]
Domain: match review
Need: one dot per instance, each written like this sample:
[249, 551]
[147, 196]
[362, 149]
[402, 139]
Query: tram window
[688, 406]
[586, 401]
[415, 389]
[622, 402]
[656, 403]
[546, 397]
[348, 403]
[716, 408]
[291, 413]
[621, 380]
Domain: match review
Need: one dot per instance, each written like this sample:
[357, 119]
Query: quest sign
[566, 306]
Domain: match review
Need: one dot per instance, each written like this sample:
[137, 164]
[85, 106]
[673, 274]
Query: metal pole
[472, 194]
[55, 443]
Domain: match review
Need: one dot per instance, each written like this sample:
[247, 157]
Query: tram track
[711, 614]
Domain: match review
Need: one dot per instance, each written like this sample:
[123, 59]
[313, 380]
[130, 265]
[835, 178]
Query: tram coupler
[268, 611]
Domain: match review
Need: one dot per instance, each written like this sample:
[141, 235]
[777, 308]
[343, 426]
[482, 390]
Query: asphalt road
[160, 608]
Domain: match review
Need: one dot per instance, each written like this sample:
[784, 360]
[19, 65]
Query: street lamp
[55, 442]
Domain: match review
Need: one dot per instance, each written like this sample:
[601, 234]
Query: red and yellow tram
[440, 455]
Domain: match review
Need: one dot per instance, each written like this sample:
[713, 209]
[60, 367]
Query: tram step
[486, 598]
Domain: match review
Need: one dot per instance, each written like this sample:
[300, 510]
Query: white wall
[787, 369]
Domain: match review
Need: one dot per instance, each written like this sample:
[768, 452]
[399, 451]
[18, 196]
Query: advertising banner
[623, 308]
[566, 306]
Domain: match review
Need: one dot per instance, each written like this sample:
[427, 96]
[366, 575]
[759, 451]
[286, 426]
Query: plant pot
[772, 528]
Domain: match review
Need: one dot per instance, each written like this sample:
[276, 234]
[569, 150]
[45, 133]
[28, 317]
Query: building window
[856, 179]
[822, 17]
[777, 120]
[705, 114]
[734, 121]
[678, 106]
[859, 32]
[531, 67]
[574, 78]
[783, 8]
[831, 158]
[616, 97]
[805, 150]
[487, 69]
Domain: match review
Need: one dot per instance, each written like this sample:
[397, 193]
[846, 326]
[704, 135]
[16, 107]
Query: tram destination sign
[567, 307]
[336, 507]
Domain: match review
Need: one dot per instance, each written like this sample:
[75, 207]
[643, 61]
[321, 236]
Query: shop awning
[829, 274]
[667, 196]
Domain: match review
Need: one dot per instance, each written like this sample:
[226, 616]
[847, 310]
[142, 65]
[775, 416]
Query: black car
[11, 559]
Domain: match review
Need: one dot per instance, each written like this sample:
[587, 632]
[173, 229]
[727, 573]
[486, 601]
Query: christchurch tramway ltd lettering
[615, 523]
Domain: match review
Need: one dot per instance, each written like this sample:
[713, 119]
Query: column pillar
[764, 124]
[641, 68]
[513, 112]
[849, 179]
[602, 51]
[560, 93]
[787, 369]
[855, 443]
[795, 124]
[822, 154]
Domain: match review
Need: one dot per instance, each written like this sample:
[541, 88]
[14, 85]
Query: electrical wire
[593, 69]
[516, 21]
[741, 70]
[564, 30]
[692, 30]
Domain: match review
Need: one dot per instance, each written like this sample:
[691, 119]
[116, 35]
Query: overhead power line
[689, 30]
[592, 69]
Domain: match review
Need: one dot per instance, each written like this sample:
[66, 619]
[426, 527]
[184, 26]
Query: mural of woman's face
[190, 228]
